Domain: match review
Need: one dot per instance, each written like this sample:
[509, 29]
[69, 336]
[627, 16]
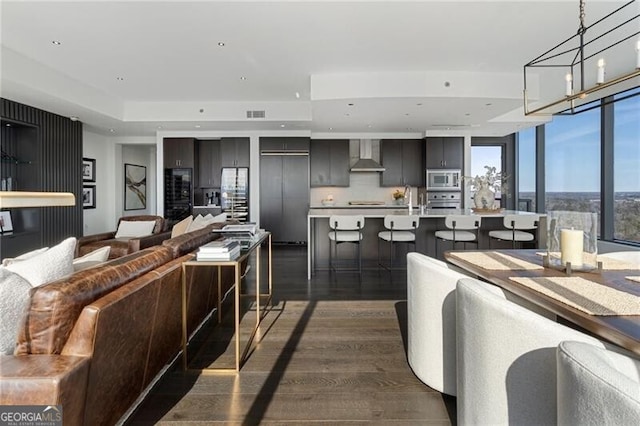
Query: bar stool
[516, 226]
[345, 229]
[401, 229]
[459, 228]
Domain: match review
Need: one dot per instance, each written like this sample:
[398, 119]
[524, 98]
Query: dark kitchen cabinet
[209, 163]
[179, 153]
[329, 162]
[445, 152]
[284, 189]
[403, 160]
[234, 152]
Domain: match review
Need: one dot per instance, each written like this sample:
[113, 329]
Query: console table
[254, 245]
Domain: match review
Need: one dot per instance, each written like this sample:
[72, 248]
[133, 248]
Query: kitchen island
[430, 221]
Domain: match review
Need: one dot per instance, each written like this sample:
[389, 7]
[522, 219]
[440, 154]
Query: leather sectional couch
[94, 341]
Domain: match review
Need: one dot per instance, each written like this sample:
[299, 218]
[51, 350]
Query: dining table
[603, 301]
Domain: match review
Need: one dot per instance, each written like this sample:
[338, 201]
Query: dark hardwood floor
[330, 350]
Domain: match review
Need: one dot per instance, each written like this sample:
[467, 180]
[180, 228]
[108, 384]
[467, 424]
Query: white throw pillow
[135, 228]
[48, 266]
[198, 223]
[181, 227]
[9, 260]
[94, 258]
[14, 300]
[221, 218]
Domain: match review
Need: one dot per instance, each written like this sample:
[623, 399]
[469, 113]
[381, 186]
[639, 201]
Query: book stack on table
[223, 249]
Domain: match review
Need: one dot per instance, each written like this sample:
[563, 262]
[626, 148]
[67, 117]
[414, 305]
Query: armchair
[124, 245]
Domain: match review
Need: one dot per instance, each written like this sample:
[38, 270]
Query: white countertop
[382, 212]
[360, 206]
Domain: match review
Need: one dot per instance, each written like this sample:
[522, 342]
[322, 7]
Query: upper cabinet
[403, 160]
[445, 152]
[284, 144]
[234, 152]
[209, 163]
[179, 152]
[329, 162]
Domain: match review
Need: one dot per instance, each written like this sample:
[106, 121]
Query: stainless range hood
[366, 163]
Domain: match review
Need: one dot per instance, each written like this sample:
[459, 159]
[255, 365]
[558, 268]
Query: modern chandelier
[600, 60]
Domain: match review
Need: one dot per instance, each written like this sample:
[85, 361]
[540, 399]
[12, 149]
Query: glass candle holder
[572, 240]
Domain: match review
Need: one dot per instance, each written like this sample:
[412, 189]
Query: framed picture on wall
[5, 222]
[88, 170]
[135, 187]
[89, 197]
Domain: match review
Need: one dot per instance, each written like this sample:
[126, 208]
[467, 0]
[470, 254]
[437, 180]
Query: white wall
[111, 153]
[102, 218]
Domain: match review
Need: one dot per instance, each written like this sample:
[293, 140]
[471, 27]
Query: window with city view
[527, 170]
[626, 176]
[572, 162]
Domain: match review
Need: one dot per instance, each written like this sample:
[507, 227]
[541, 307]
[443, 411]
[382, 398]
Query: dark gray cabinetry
[329, 162]
[179, 153]
[403, 160]
[284, 188]
[209, 163]
[234, 152]
[445, 153]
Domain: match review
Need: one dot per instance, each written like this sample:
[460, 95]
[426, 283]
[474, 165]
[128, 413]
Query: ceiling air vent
[255, 114]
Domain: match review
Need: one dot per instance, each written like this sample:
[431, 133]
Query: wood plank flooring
[329, 351]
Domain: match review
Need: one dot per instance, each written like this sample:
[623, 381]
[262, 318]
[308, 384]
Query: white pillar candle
[571, 246]
[569, 88]
[600, 76]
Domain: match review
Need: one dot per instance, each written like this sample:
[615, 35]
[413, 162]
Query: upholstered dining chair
[462, 228]
[431, 321]
[516, 229]
[399, 229]
[345, 229]
[597, 386]
[506, 358]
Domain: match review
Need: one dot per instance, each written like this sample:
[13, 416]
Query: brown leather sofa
[127, 245]
[94, 341]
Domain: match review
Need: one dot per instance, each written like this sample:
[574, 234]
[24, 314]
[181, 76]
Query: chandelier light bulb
[601, 64]
[569, 86]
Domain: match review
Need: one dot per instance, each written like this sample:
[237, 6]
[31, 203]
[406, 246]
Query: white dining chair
[597, 386]
[431, 321]
[399, 229]
[516, 229]
[463, 228]
[345, 229]
[506, 358]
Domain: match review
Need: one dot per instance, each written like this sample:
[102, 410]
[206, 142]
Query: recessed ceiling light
[159, 127]
[8, 124]
[409, 128]
[419, 104]
[282, 125]
[347, 114]
[73, 118]
[297, 95]
[111, 130]
[197, 126]
[243, 78]
[120, 78]
[56, 42]
[221, 43]
[467, 114]
[406, 113]
[488, 104]
[350, 104]
[447, 84]
[330, 128]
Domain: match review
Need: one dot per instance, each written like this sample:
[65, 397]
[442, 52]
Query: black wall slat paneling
[60, 153]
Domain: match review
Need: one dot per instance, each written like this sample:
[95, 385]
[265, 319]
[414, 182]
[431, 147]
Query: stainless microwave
[444, 180]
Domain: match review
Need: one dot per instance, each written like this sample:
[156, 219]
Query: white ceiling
[407, 67]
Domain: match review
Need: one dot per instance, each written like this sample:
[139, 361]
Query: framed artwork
[135, 187]
[89, 197]
[5, 222]
[88, 170]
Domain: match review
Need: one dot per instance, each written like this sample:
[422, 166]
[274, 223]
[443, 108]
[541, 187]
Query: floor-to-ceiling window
[527, 170]
[626, 167]
[572, 162]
